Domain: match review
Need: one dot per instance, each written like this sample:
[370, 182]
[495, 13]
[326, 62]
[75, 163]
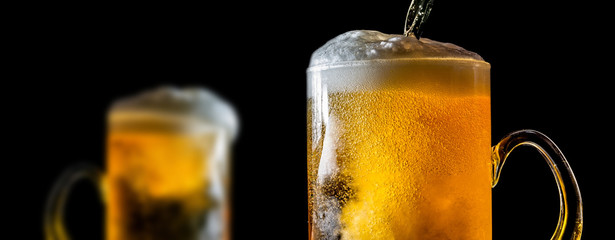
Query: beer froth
[361, 45]
[197, 104]
[364, 60]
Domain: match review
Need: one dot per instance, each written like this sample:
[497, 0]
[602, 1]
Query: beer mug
[399, 142]
[167, 168]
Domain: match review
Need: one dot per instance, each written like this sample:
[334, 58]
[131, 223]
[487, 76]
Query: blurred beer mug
[167, 168]
[399, 142]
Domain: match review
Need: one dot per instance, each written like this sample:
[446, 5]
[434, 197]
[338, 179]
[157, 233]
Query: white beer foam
[196, 102]
[362, 45]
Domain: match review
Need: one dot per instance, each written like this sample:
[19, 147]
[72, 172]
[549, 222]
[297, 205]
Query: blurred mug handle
[556, 161]
[53, 217]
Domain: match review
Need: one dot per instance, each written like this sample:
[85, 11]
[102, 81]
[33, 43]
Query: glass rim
[357, 63]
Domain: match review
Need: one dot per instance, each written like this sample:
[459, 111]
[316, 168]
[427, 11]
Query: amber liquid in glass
[157, 183]
[400, 150]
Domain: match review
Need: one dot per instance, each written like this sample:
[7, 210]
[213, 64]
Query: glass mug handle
[556, 161]
[53, 219]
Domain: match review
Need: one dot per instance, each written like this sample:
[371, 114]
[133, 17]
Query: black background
[67, 62]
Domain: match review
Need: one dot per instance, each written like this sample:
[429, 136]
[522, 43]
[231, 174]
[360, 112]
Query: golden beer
[399, 149]
[167, 175]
